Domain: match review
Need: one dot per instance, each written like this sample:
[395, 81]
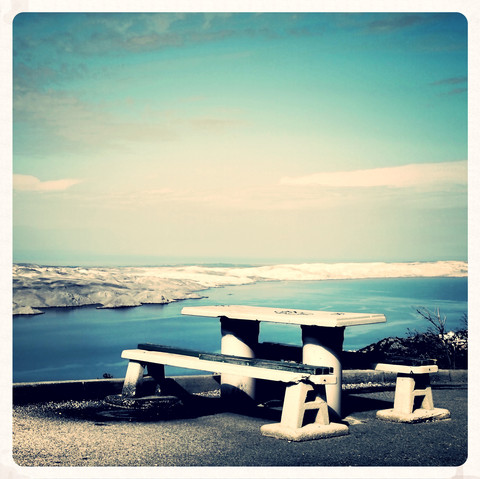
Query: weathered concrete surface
[309, 432]
[77, 433]
[417, 415]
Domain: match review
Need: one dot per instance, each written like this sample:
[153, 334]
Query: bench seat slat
[257, 371]
[266, 363]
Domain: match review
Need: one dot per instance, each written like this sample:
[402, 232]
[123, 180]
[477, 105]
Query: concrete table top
[287, 316]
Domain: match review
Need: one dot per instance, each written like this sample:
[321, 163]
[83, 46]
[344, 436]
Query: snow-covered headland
[37, 286]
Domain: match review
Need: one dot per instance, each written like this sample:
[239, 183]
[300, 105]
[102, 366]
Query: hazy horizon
[145, 261]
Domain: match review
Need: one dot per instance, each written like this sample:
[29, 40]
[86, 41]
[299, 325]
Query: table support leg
[322, 346]
[239, 338]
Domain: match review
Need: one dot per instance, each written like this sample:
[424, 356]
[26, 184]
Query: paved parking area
[82, 433]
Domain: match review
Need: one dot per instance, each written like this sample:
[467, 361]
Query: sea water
[86, 343]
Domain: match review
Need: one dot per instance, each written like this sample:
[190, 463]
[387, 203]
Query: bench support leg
[423, 381]
[404, 397]
[410, 388]
[133, 379]
[134, 393]
[157, 371]
[291, 425]
[293, 405]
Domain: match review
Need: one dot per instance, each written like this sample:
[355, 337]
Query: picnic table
[322, 339]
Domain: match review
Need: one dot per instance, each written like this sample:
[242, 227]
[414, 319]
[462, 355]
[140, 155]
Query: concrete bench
[300, 380]
[413, 401]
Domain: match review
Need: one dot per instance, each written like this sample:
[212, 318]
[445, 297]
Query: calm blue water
[85, 343]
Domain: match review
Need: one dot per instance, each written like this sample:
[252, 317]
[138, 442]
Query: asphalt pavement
[91, 433]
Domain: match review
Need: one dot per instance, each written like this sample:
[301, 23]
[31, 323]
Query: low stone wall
[442, 377]
[93, 389]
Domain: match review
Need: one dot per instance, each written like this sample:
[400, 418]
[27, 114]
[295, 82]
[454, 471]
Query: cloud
[396, 22]
[457, 91]
[211, 17]
[72, 124]
[438, 186]
[406, 176]
[31, 183]
[63, 39]
[450, 81]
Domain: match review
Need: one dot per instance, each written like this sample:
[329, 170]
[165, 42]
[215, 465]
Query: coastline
[36, 287]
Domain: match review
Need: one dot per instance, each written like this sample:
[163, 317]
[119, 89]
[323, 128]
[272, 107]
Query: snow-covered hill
[36, 286]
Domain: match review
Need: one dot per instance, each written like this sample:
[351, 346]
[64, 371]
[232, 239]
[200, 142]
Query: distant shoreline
[38, 287]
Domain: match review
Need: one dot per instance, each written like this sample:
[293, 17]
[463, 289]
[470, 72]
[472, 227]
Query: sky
[239, 137]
